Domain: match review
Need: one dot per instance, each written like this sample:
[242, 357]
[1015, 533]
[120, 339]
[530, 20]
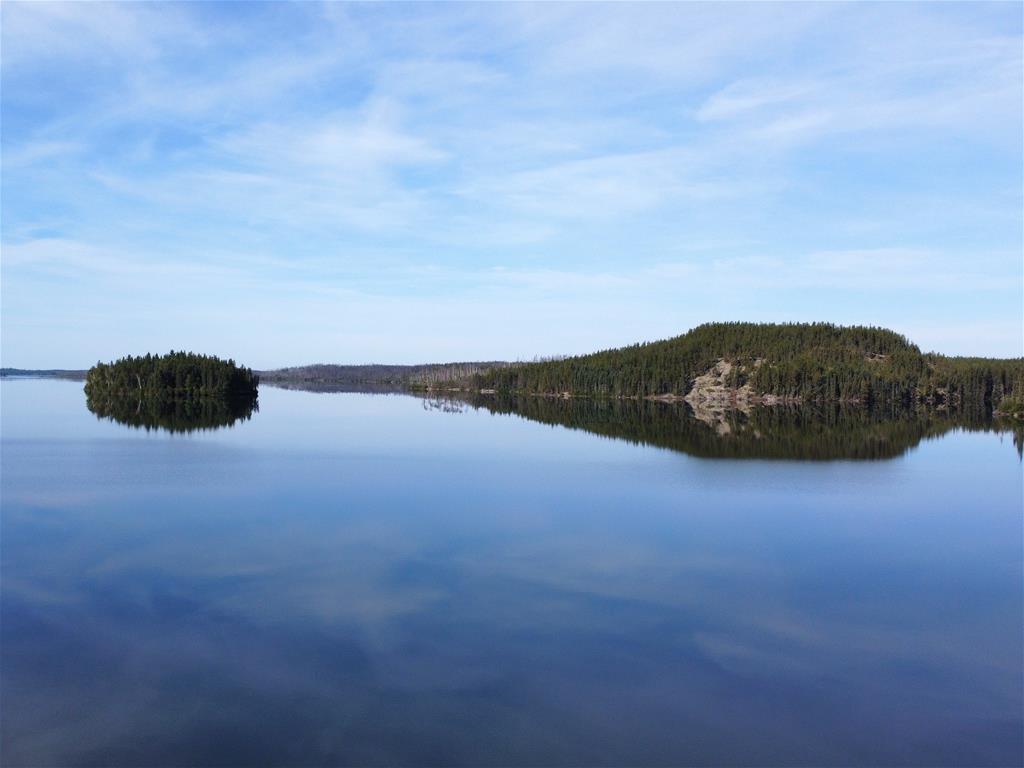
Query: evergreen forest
[800, 362]
[176, 375]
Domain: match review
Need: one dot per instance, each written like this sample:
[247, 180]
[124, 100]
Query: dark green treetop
[174, 375]
[811, 362]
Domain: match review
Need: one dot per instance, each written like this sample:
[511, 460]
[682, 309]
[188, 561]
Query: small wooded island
[176, 374]
[179, 391]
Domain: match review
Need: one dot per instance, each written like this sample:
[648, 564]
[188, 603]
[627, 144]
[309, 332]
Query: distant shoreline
[45, 373]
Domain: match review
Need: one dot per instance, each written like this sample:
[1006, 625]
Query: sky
[297, 183]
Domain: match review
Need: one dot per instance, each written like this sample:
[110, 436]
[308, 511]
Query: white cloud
[366, 141]
[664, 43]
[604, 187]
[41, 33]
[38, 152]
[744, 96]
[942, 83]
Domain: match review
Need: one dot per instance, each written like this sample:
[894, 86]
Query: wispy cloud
[47, 33]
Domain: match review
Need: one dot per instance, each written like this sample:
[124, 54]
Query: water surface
[369, 579]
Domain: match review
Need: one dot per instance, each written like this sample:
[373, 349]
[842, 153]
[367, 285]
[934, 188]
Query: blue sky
[294, 183]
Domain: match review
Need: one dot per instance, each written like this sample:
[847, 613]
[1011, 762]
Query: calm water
[360, 579]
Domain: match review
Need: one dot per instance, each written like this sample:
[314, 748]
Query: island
[179, 391]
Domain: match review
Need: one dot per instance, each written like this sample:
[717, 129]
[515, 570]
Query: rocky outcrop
[711, 390]
[712, 393]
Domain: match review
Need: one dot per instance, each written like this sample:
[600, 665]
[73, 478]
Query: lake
[360, 579]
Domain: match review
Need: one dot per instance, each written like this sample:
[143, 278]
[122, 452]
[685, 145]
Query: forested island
[179, 391]
[742, 364]
[176, 374]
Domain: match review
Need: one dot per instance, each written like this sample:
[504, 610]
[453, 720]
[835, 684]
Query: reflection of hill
[186, 414]
[764, 433]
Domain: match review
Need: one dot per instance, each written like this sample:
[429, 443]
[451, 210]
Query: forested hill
[756, 362]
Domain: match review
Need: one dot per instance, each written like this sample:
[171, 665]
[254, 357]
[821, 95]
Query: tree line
[175, 375]
[377, 375]
[809, 362]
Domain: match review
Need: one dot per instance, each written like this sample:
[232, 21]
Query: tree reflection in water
[810, 433]
[173, 414]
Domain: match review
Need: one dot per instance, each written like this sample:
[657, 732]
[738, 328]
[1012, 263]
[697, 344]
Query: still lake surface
[374, 579]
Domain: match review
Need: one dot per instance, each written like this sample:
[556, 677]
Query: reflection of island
[764, 433]
[179, 392]
[174, 414]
